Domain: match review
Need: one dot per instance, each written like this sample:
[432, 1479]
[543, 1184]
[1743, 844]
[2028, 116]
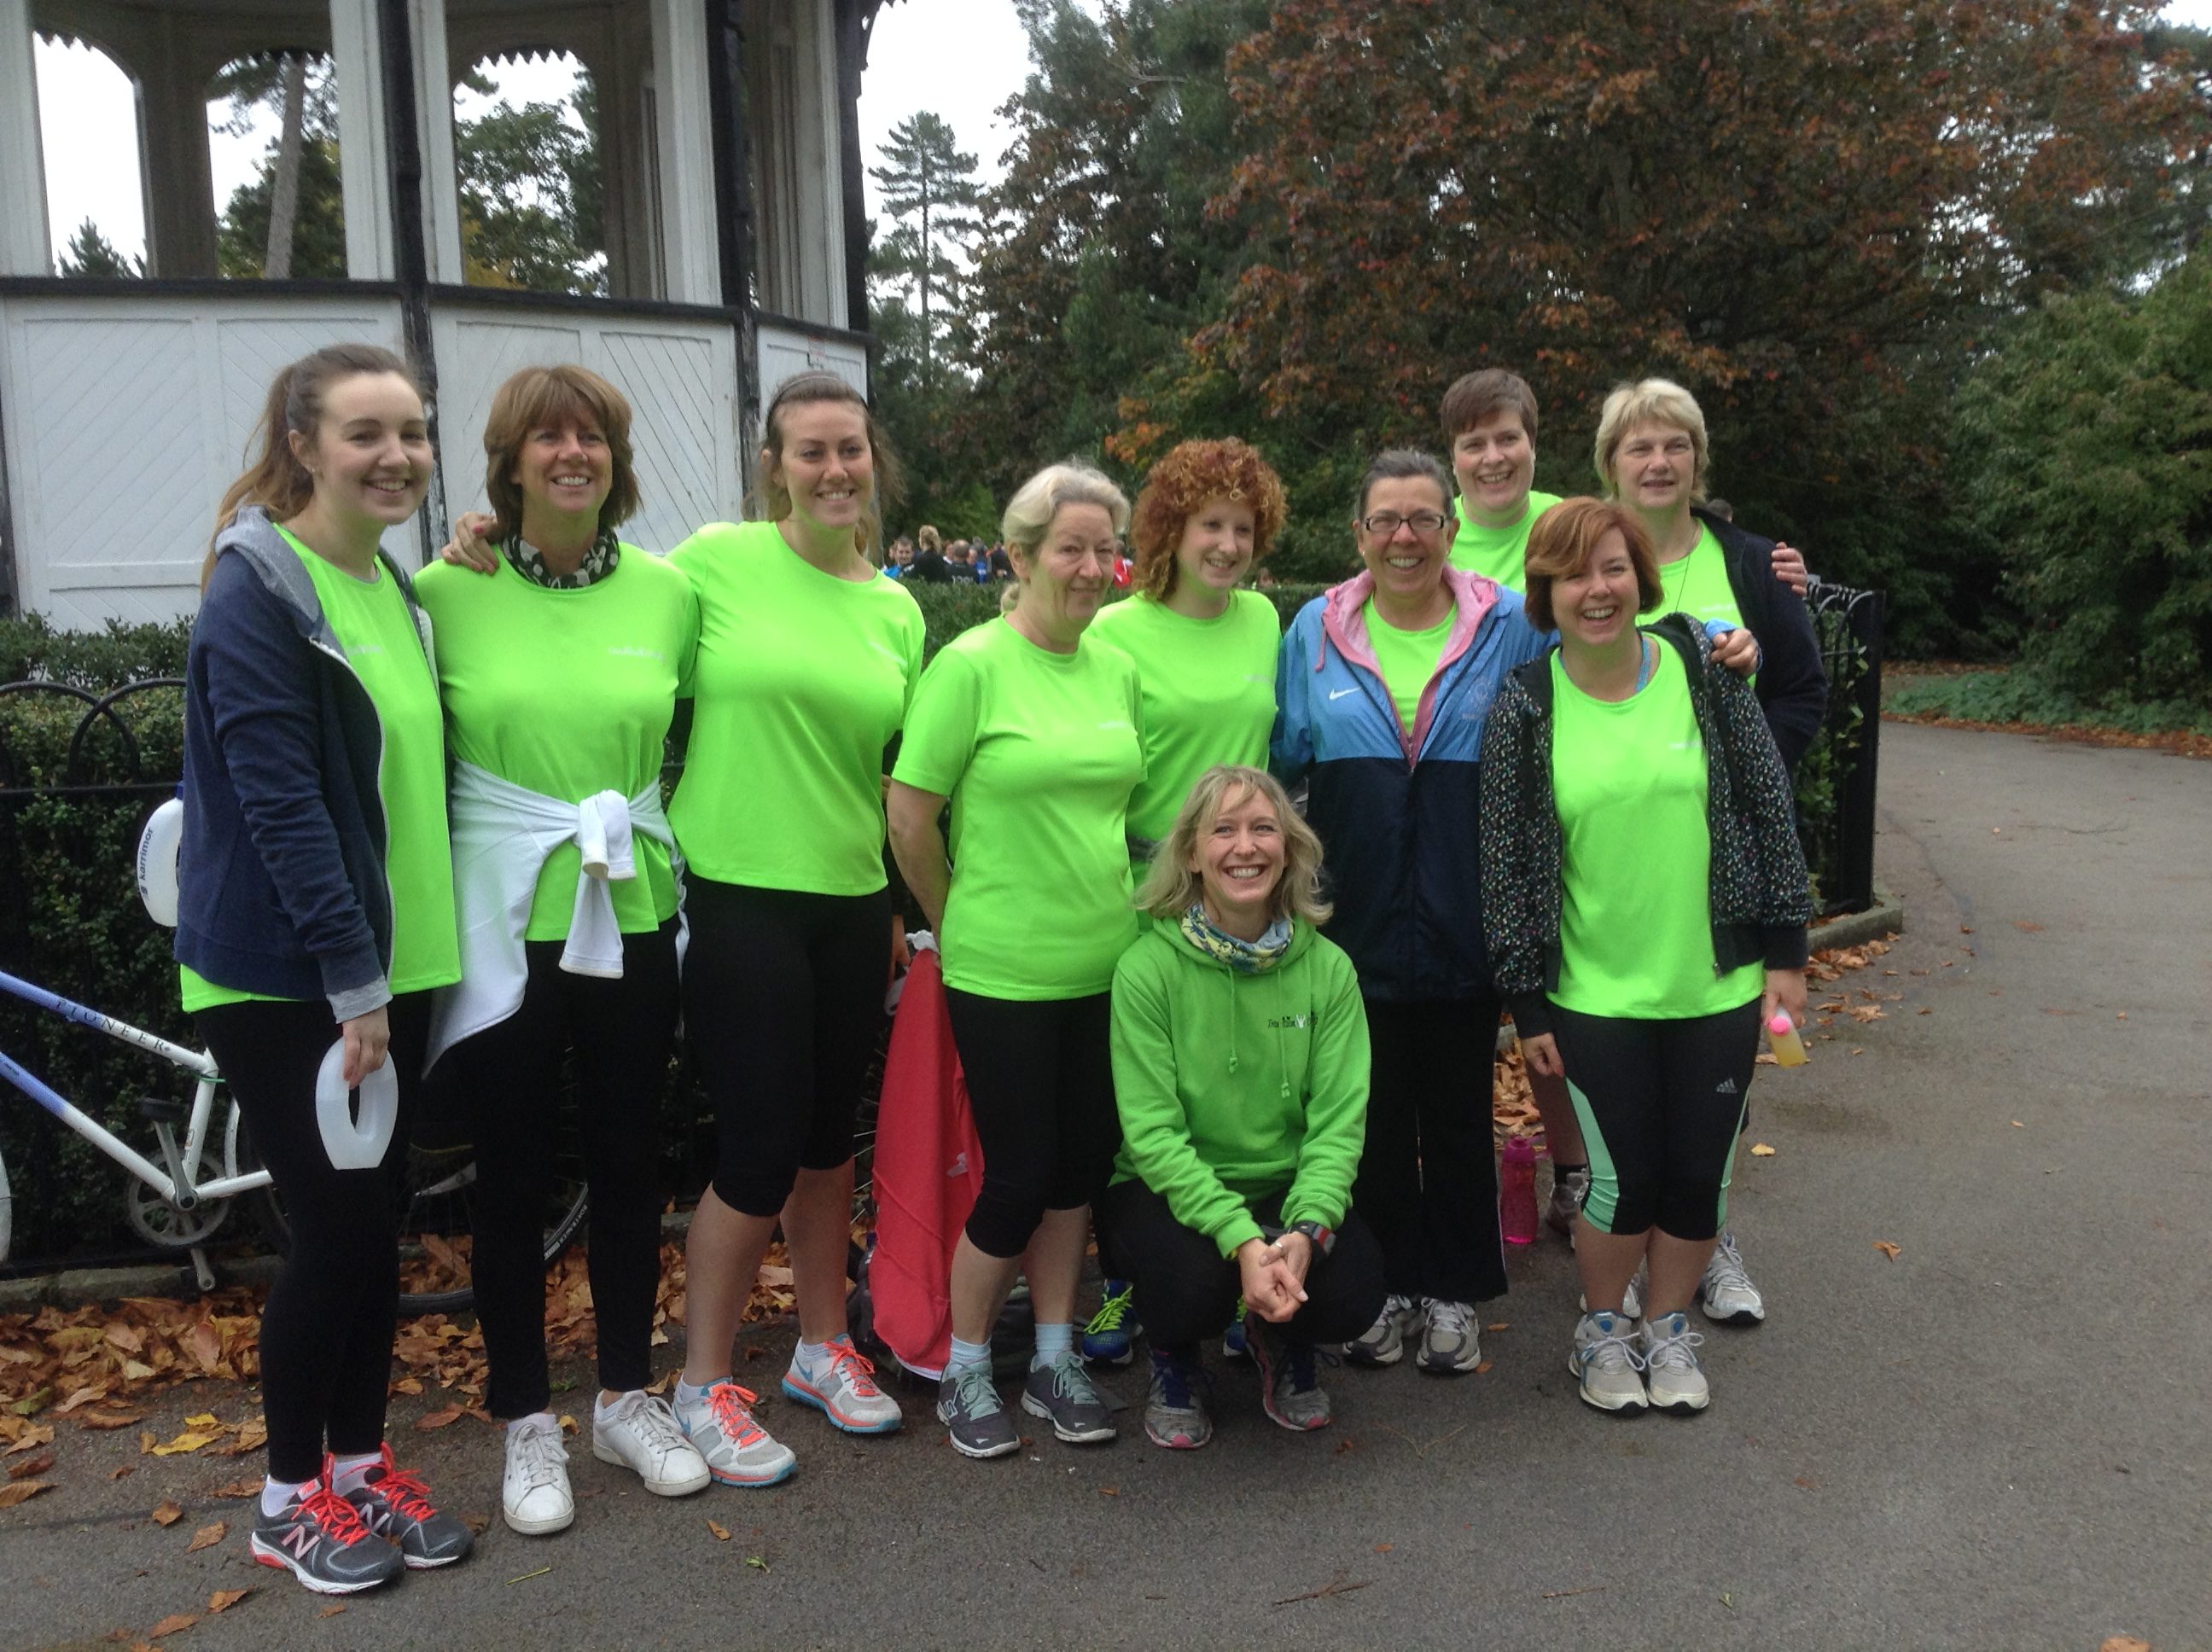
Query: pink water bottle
[1517, 1193]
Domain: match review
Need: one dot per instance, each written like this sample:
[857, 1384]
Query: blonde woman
[1240, 1071]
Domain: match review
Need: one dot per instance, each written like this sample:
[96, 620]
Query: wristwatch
[1323, 1239]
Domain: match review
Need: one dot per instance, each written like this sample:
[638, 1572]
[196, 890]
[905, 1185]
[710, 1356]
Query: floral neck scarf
[1246, 957]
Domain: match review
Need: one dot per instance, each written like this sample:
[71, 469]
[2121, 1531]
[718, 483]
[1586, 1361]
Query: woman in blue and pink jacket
[1383, 687]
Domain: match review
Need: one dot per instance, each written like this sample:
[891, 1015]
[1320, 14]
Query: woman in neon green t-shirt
[559, 672]
[1205, 652]
[1644, 902]
[1034, 736]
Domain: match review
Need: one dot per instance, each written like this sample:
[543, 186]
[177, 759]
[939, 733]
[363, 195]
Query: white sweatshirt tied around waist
[503, 834]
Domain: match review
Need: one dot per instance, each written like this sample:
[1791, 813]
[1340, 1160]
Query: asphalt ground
[1995, 1439]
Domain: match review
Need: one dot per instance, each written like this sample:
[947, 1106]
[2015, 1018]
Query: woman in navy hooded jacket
[1383, 687]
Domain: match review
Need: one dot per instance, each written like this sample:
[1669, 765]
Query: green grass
[2007, 694]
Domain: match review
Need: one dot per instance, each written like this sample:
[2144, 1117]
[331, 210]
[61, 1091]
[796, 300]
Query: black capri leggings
[622, 1032]
[1041, 1087]
[783, 999]
[1661, 1102]
[326, 1331]
[1187, 1290]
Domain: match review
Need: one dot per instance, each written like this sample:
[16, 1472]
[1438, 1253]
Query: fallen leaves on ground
[1888, 1248]
[721, 1532]
[1760, 1150]
[224, 1599]
[208, 1536]
[31, 1467]
[175, 1624]
[17, 1492]
[2124, 1643]
[167, 1513]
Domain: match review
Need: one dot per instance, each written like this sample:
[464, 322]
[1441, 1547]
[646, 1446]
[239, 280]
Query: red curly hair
[1191, 473]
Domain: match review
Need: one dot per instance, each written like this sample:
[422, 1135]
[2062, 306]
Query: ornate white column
[23, 248]
[690, 261]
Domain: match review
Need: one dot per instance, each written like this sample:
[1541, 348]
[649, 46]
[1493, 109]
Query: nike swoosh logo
[1338, 694]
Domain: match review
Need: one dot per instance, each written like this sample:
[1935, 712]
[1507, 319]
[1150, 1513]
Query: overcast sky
[959, 59]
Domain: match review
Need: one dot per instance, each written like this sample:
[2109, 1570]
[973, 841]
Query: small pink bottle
[1517, 1193]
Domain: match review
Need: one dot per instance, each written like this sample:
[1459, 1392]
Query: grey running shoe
[1605, 1361]
[1726, 1293]
[1063, 1392]
[1290, 1388]
[969, 1407]
[1174, 1409]
[1566, 1203]
[738, 1450]
[1672, 1375]
[1632, 1301]
[1383, 1343]
[396, 1506]
[1450, 1342]
[321, 1540]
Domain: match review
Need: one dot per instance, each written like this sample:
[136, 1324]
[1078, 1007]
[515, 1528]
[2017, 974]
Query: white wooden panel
[126, 418]
[785, 352]
[23, 249]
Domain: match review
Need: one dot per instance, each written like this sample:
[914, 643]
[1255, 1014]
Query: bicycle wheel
[437, 1207]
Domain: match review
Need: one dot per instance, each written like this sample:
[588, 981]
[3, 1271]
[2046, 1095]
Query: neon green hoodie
[1233, 1087]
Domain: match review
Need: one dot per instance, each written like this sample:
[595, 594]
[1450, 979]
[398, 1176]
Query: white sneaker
[534, 1493]
[842, 1387]
[1726, 1293]
[1672, 1375]
[1383, 1343]
[1606, 1364]
[638, 1432]
[738, 1451]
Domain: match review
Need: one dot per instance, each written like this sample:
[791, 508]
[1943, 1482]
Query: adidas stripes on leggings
[1659, 1102]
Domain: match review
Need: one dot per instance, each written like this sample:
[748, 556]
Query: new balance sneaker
[1289, 1385]
[1606, 1364]
[1063, 1392]
[319, 1537]
[534, 1497]
[1383, 1343]
[1632, 1301]
[842, 1387]
[738, 1451]
[638, 1432]
[1568, 1188]
[969, 1405]
[1672, 1375]
[1174, 1409]
[396, 1506]
[1450, 1340]
[1234, 1344]
[1726, 1293]
[1110, 1338]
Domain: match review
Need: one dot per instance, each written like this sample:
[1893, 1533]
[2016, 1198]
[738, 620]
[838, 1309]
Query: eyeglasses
[1383, 524]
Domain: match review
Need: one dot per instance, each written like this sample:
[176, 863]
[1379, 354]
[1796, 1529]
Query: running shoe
[1233, 1342]
[1383, 1343]
[1174, 1409]
[842, 1387]
[1632, 1301]
[1726, 1293]
[969, 1405]
[638, 1432]
[1062, 1391]
[396, 1505]
[1452, 1342]
[1110, 1337]
[738, 1451]
[1606, 1364]
[319, 1537]
[1568, 1188]
[1672, 1375]
[534, 1497]
[1290, 1386]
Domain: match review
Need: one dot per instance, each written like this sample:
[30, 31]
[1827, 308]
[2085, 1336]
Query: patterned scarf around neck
[1246, 957]
[599, 561]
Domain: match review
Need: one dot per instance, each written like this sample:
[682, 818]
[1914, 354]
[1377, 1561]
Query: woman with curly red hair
[1205, 652]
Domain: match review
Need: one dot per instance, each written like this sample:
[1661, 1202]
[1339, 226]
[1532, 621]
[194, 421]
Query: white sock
[603, 1409]
[277, 1494]
[810, 1355]
[546, 1418]
[348, 1473]
[687, 1395]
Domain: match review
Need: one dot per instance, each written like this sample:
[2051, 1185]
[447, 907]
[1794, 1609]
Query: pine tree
[91, 254]
[928, 188]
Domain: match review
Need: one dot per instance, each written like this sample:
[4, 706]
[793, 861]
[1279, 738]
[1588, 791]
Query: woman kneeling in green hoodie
[1240, 1069]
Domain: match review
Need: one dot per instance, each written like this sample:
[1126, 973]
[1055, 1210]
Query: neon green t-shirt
[1208, 687]
[1039, 753]
[802, 680]
[1499, 554]
[372, 623]
[568, 693]
[1407, 659]
[1698, 585]
[1629, 782]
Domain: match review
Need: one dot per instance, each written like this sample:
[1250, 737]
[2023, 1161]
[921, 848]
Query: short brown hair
[1475, 397]
[545, 398]
[1560, 547]
[1192, 473]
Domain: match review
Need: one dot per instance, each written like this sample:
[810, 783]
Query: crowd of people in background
[1225, 979]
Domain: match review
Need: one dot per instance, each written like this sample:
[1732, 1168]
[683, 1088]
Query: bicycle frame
[177, 1183]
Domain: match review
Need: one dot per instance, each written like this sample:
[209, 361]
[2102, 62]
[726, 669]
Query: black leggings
[1187, 1290]
[1661, 1103]
[1428, 1181]
[622, 1032]
[326, 1330]
[783, 1001]
[1041, 1087]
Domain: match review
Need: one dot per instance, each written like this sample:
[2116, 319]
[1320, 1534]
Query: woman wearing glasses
[1384, 684]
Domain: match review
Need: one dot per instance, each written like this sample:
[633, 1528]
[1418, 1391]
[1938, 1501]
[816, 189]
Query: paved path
[1997, 1439]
